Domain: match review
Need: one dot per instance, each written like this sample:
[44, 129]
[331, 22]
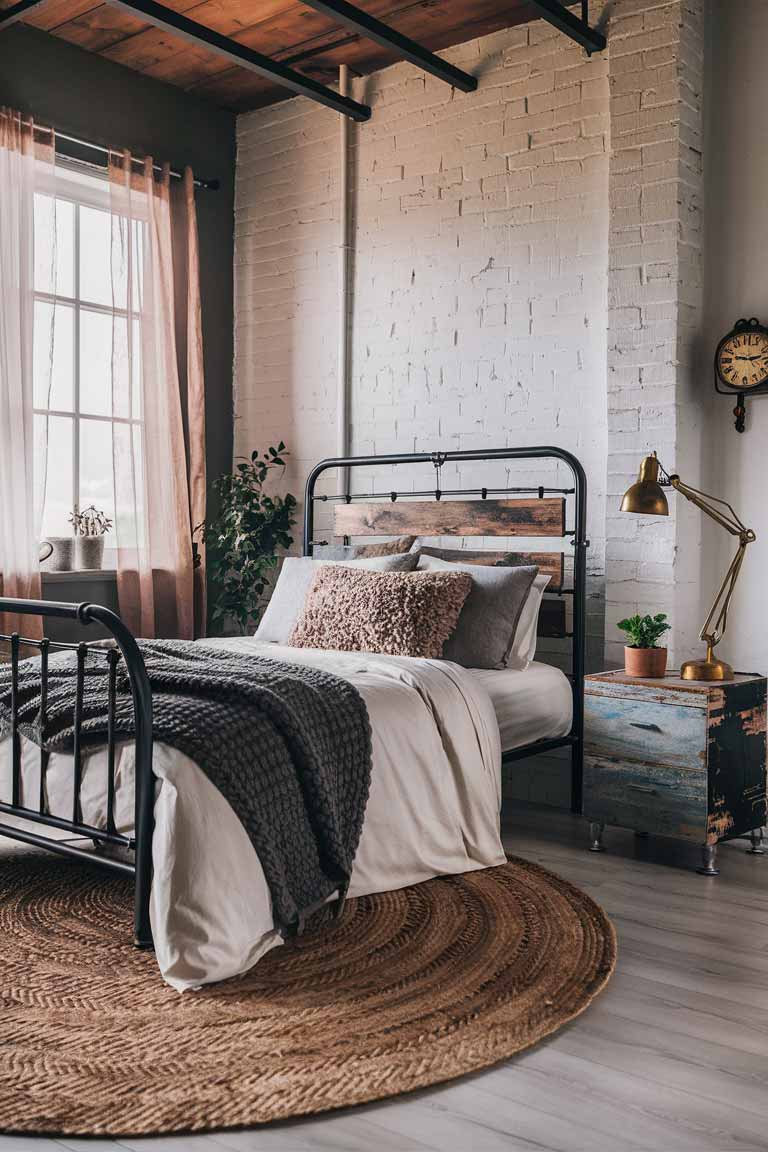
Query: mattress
[433, 809]
[534, 704]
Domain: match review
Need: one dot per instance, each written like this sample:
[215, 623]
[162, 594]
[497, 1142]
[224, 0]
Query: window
[86, 346]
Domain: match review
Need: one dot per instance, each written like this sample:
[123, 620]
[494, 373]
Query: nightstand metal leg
[596, 829]
[756, 848]
[708, 865]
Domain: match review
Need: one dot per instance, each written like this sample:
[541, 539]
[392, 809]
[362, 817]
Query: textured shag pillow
[287, 601]
[397, 613]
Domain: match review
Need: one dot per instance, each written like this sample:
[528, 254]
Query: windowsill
[104, 575]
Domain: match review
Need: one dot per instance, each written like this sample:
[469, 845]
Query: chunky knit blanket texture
[288, 746]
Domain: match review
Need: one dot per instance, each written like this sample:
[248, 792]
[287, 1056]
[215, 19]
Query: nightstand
[679, 758]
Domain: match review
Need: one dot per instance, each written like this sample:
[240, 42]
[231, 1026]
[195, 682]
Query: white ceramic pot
[89, 552]
[62, 551]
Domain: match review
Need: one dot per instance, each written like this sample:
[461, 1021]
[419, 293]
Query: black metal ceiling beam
[577, 28]
[244, 57]
[10, 15]
[406, 49]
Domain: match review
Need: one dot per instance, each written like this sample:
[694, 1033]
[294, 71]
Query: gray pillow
[391, 547]
[488, 621]
[287, 600]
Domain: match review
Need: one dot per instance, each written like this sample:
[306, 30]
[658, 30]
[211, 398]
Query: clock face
[742, 359]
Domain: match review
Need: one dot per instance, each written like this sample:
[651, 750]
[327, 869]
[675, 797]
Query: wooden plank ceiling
[283, 29]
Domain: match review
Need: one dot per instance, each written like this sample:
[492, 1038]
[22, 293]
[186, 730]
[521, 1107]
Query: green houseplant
[245, 539]
[642, 655]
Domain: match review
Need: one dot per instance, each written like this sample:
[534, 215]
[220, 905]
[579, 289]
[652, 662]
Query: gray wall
[84, 95]
[736, 278]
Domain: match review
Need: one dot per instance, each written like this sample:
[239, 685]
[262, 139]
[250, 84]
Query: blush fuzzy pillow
[397, 613]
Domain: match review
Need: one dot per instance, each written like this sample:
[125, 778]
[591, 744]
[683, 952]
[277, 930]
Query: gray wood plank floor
[673, 1055]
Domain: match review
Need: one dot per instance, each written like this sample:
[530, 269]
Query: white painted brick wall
[480, 269]
[654, 295]
[526, 270]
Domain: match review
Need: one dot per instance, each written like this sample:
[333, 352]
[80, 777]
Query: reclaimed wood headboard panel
[545, 517]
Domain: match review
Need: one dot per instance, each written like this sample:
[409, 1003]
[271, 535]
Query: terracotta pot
[651, 663]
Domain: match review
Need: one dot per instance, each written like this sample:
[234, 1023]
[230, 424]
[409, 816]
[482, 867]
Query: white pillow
[287, 601]
[523, 647]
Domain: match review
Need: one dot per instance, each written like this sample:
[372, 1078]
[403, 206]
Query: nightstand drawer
[649, 732]
[662, 799]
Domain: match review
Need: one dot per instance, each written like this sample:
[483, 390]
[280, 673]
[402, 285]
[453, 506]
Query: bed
[201, 898]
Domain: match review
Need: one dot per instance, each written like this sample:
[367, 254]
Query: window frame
[86, 187]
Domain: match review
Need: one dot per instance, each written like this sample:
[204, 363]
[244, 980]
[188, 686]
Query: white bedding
[534, 704]
[433, 810]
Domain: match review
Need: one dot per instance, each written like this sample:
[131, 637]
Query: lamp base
[707, 669]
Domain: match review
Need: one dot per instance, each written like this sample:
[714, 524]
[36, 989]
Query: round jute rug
[409, 989]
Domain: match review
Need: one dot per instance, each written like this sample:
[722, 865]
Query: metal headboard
[577, 535]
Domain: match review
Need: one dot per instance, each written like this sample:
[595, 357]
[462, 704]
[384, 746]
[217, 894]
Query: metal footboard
[140, 844]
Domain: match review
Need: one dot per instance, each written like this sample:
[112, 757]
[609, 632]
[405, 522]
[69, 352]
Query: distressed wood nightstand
[679, 758]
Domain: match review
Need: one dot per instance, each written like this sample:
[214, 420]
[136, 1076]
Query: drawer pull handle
[650, 788]
[646, 727]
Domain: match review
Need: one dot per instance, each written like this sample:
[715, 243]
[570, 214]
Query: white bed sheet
[433, 810]
[534, 704]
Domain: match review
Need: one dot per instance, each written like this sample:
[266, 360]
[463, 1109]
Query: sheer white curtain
[25, 164]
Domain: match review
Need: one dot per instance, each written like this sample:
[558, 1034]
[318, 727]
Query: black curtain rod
[75, 142]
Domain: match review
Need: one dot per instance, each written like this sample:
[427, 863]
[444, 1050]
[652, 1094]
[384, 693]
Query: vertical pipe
[342, 395]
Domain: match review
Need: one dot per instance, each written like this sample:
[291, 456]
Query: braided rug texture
[409, 989]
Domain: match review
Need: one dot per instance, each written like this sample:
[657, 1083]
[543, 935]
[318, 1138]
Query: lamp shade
[646, 497]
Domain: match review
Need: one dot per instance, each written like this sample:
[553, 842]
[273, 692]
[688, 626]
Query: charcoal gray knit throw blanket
[288, 746]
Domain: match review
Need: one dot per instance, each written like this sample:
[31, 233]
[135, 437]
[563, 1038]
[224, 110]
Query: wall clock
[741, 365]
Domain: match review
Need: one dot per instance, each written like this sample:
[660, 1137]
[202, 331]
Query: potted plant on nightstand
[642, 655]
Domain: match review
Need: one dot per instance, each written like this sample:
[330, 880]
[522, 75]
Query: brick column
[654, 303]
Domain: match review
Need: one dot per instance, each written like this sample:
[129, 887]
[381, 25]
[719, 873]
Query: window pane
[96, 477]
[103, 258]
[59, 499]
[54, 243]
[103, 363]
[136, 405]
[54, 356]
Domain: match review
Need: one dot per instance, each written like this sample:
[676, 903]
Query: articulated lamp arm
[716, 623]
[647, 498]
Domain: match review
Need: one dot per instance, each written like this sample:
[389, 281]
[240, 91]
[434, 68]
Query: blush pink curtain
[24, 163]
[158, 456]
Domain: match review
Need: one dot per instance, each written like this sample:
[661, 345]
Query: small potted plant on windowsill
[91, 526]
[642, 655]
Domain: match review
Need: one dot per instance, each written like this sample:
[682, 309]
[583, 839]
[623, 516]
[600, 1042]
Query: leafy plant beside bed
[642, 654]
[245, 539]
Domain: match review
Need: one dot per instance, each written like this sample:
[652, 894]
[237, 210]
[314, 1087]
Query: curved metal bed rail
[579, 541]
[141, 693]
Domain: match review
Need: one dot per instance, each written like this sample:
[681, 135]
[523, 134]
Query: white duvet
[433, 810]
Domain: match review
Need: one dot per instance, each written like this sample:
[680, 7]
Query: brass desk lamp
[647, 498]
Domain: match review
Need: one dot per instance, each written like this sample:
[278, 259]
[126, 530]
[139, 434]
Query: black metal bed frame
[578, 537]
[140, 844]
